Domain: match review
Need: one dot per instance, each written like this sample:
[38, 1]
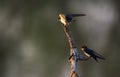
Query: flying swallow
[90, 53]
[66, 19]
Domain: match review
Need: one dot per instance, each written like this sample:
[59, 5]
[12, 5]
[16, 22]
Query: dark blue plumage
[69, 17]
[66, 19]
[90, 53]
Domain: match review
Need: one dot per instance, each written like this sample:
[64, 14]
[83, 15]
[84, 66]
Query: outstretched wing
[76, 15]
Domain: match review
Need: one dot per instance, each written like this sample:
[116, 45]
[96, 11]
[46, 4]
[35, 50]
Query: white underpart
[62, 19]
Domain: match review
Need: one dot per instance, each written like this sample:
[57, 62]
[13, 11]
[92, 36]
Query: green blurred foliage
[33, 43]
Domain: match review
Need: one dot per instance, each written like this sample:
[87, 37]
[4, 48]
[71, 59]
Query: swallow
[66, 19]
[90, 53]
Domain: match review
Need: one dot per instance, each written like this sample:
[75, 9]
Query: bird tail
[101, 57]
[98, 56]
[95, 59]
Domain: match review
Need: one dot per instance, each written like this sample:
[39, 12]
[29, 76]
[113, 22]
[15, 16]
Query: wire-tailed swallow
[66, 19]
[90, 53]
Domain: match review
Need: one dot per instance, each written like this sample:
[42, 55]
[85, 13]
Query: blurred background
[33, 43]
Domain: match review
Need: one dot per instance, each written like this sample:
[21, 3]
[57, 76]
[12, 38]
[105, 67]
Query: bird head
[83, 47]
[62, 18]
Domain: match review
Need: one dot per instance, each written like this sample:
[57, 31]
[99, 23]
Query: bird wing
[76, 15]
[99, 56]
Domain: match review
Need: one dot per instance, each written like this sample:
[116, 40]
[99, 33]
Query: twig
[74, 56]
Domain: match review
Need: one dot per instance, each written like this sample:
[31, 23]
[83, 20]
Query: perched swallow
[68, 18]
[90, 53]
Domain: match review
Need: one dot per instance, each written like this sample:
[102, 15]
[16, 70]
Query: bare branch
[74, 56]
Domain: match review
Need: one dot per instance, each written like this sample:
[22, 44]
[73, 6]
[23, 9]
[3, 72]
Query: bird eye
[59, 17]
